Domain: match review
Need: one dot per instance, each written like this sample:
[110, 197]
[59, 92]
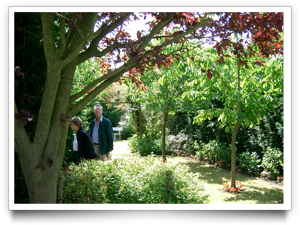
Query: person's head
[98, 111]
[76, 123]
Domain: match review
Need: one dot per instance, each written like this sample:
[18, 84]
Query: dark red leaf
[209, 75]
[137, 60]
[78, 15]
[177, 33]
[72, 26]
[159, 58]
[23, 121]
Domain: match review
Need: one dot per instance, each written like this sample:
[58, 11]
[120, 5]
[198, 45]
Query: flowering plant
[238, 187]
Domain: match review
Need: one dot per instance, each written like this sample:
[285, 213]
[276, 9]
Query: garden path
[120, 149]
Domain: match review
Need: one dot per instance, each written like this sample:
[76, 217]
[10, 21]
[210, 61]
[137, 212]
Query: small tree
[164, 95]
[245, 91]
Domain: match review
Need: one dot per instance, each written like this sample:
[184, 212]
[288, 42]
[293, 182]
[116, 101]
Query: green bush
[131, 180]
[249, 162]
[182, 142]
[146, 146]
[272, 162]
[215, 152]
[128, 131]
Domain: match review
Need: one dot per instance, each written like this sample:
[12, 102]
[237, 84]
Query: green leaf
[226, 129]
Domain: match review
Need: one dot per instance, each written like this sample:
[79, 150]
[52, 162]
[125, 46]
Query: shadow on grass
[260, 194]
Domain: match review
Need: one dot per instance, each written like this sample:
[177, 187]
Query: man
[101, 133]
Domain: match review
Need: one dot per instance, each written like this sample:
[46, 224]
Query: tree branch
[62, 37]
[97, 36]
[154, 31]
[48, 36]
[119, 72]
[79, 105]
[183, 34]
[122, 69]
[22, 141]
[221, 79]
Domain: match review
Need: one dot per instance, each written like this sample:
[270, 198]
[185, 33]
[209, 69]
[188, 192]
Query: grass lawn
[257, 190]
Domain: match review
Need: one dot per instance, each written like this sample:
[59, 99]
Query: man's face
[98, 111]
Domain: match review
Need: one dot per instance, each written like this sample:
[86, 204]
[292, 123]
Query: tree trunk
[235, 131]
[164, 136]
[233, 154]
[41, 159]
[43, 189]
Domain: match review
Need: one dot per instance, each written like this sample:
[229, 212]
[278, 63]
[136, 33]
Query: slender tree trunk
[164, 136]
[235, 131]
[233, 154]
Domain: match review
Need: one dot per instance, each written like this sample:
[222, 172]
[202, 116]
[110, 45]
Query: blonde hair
[77, 121]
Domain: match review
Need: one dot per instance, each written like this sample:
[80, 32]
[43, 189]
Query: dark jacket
[105, 135]
[85, 145]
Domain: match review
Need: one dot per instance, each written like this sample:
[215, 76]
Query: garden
[132, 178]
[199, 97]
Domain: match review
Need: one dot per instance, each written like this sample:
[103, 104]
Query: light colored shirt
[95, 138]
[75, 144]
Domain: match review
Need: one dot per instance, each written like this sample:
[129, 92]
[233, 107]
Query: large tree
[69, 39]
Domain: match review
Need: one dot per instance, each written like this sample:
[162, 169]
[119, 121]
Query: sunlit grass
[257, 191]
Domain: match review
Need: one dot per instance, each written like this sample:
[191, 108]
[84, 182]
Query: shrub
[181, 142]
[146, 146]
[128, 131]
[215, 152]
[131, 180]
[249, 162]
[272, 162]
